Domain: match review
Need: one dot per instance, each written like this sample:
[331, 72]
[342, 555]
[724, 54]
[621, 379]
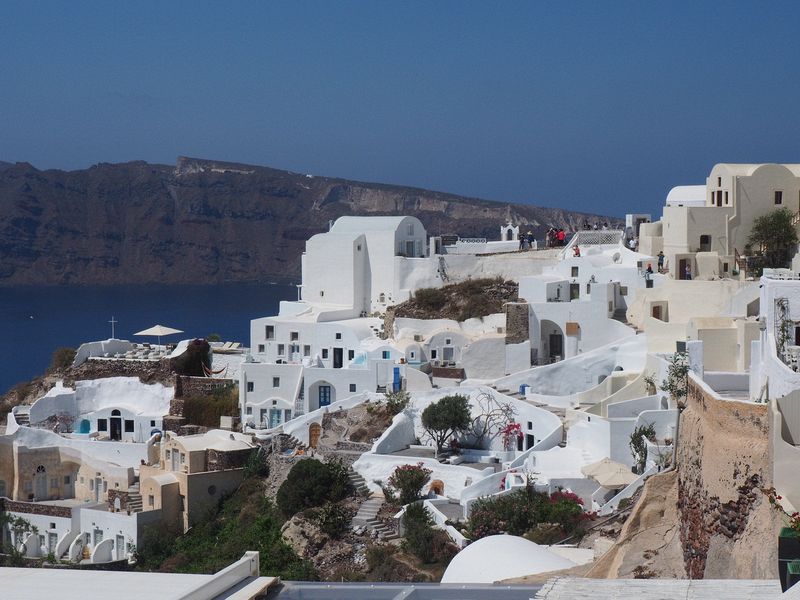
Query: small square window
[294, 336]
[306, 350]
[386, 354]
[338, 336]
[623, 290]
[358, 247]
[251, 386]
[248, 410]
[270, 332]
[261, 348]
[129, 426]
[412, 355]
[351, 354]
[530, 425]
[448, 341]
[52, 525]
[281, 349]
[434, 354]
[152, 423]
[778, 197]
[574, 271]
[67, 479]
[324, 353]
[151, 500]
[276, 382]
[102, 424]
[352, 387]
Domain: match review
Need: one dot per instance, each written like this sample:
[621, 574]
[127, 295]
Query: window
[183, 458]
[251, 386]
[434, 354]
[530, 425]
[410, 229]
[294, 349]
[306, 350]
[322, 292]
[719, 181]
[152, 423]
[151, 500]
[726, 197]
[102, 424]
[128, 425]
[574, 271]
[338, 336]
[91, 484]
[385, 354]
[351, 354]
[724, 267]
[448, 341]
[261, 348]
[54, 482]
[358, 247]
[167, 454]
[52, 525]
[352, 387]
[778, 197]
[270, 332]
[248, 410]
[324, 353]
[281, 349]
[105, 485]
[294, 336]
[67, 479]
[412, 355]
[623, 290]
[276, 382]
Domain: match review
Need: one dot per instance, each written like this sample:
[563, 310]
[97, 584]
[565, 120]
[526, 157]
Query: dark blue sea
[34, 321]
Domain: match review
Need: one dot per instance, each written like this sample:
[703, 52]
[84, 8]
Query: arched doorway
[320, 394]
[40, 483]
[115, 431]
[552, 341]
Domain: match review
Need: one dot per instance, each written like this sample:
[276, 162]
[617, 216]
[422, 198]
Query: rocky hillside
[204, 221]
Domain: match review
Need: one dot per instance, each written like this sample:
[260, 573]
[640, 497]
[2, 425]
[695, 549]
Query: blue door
[324, 395]
[274, 417]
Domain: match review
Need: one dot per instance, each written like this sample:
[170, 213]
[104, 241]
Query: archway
[115, 431]
[552, 341]
[321, 393]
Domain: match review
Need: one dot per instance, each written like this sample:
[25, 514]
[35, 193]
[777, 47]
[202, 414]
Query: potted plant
[788, 541]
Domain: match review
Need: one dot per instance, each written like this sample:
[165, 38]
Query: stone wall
[726, 524]
[218, 460]
[35, 508]
[123, 499]
[517, 322]
[198, 386]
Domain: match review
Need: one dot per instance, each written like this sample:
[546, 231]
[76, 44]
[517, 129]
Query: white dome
[500, 557]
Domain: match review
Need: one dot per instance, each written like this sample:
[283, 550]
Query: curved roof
[500, 557]
[687, 195]
[362, 224]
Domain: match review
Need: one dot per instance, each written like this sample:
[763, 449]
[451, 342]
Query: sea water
[34, 321]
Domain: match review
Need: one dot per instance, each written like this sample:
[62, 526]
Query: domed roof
[500, 557]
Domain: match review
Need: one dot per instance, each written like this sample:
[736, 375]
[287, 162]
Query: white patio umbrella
[158, 331]
[609, 473]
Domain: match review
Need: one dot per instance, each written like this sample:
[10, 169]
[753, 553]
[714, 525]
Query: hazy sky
[597, 106]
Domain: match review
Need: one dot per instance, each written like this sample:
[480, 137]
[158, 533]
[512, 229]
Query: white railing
[471, 240]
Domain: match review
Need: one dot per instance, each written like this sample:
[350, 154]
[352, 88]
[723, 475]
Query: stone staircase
[135, 504]
[359, 483]
[367, 515]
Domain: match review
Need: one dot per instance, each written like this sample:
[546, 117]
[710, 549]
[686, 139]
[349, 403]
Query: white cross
[113, 322]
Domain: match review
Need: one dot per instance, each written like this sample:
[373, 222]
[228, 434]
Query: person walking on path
[660, 261]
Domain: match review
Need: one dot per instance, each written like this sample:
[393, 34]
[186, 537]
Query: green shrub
[423, 540]
[446, 417]
[256, 464]
[406, 482]
[214, 337]
[397, 402]
[522, 510]
[207, 409]
[430, 298]
[312, 483]
[62, 359]
[332, 519]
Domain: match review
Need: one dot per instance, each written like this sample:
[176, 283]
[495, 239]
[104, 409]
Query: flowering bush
[792, 519]
[520, 511]
[511, 433]
[407, 481]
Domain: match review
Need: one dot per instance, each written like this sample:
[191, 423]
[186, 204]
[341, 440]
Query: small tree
[493, 417]
[677, 382]
[443, 419]
[775, 234]
[638, 444]
[407, 481]
[396, 402]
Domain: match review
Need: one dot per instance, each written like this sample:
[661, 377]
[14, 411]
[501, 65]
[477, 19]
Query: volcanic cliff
[206, 221]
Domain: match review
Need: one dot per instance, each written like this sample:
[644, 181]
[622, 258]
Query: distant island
[206, 221]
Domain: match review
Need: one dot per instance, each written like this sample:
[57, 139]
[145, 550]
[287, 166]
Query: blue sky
[596, 106]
